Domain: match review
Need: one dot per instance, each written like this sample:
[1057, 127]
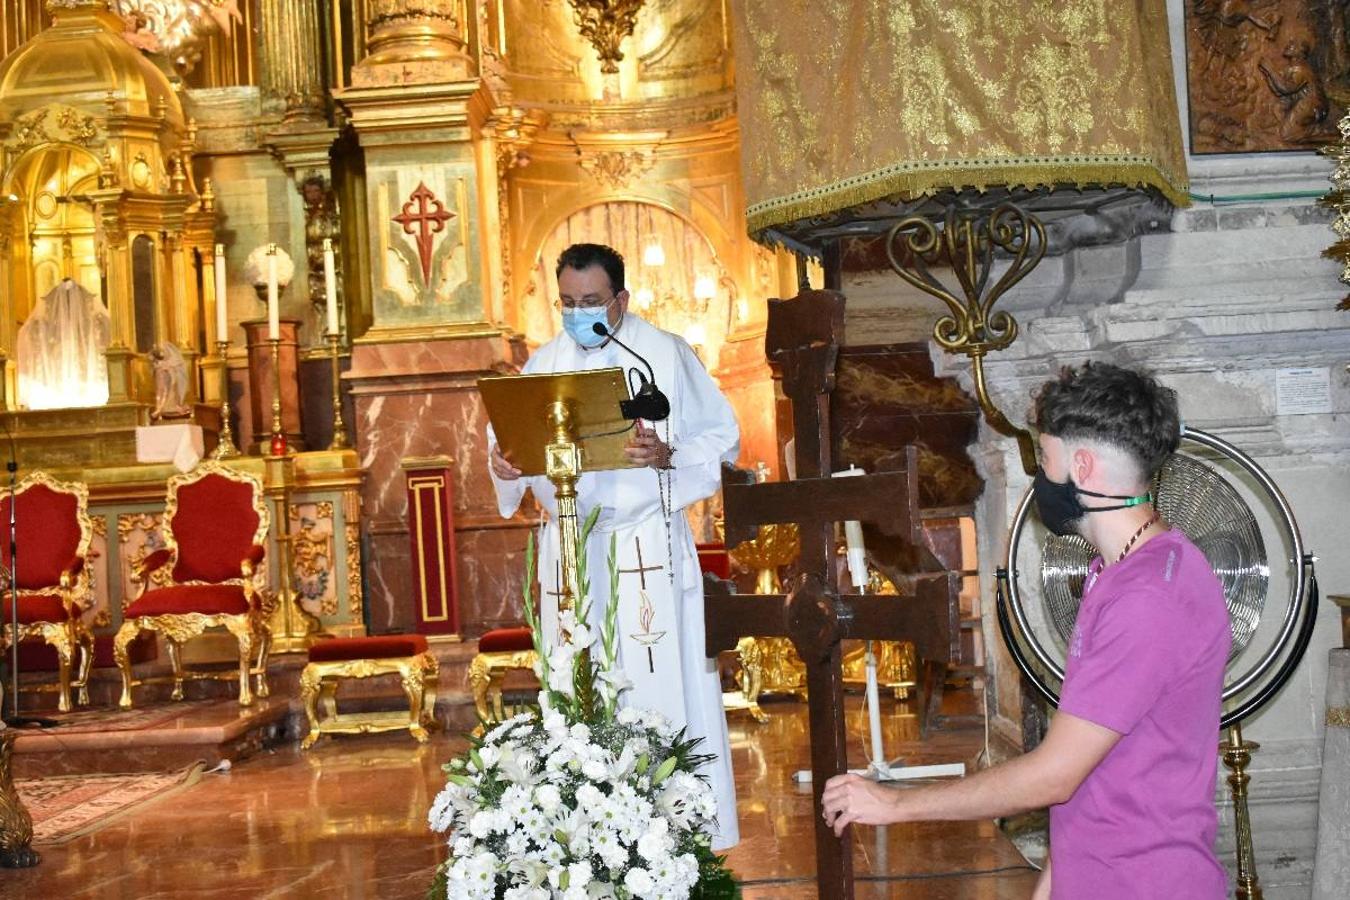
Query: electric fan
[1232, 510]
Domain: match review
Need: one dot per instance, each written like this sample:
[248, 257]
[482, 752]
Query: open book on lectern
[518, 407]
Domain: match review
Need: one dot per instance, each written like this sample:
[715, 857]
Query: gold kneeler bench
[333, 661]
[499, 652]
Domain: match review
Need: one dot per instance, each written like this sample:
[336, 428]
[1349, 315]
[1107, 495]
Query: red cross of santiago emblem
[429, 216]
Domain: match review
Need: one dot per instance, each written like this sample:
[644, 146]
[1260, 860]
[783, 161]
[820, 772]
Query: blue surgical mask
[579, 323]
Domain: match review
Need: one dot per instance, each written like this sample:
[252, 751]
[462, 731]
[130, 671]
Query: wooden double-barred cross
[802, 343]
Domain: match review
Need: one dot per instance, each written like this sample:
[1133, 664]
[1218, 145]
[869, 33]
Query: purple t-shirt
[1146, 661]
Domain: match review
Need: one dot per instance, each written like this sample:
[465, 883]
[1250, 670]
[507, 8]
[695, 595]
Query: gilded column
[122, 336]
[414, 42]
[292, 77]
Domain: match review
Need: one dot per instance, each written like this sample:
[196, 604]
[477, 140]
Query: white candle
[853, 534]
[273, 307]
[222, 320]
[330, 285]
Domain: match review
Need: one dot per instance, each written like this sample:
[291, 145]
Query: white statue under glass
[60, 350]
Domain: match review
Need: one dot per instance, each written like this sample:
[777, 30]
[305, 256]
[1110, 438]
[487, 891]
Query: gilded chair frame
[487, 672]
[77, 591]
[418, 674]
[250, 629]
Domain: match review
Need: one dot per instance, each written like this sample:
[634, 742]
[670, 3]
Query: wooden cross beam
[802, 346]
[816, 619]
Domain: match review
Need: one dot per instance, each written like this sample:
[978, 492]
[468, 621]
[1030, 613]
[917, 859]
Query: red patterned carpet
[65, 807]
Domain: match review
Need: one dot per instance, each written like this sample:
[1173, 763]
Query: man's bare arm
[1046, 776]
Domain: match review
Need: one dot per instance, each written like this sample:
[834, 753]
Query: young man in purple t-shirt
[1128, 764]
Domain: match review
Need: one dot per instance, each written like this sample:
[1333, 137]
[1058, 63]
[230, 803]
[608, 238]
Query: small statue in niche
[170, 382]
[321, 222]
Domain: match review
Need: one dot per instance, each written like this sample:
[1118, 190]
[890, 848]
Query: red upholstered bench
[336, 659]
[380, 646]
[499, 652]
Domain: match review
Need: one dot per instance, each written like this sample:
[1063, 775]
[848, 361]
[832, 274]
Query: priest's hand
[500, 467]
[646, 449]
[852, 798]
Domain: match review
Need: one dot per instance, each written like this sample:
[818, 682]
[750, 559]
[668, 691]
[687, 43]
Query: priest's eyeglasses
[590, 301]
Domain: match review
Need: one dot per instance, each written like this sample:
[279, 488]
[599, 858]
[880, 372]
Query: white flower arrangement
[580, 799]
[255, 267]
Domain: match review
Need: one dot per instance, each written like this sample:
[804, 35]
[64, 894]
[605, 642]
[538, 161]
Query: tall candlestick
[222, 319]
[278, 445]
[330, 285]
[273, 307]
[225, 448]
[340, 441]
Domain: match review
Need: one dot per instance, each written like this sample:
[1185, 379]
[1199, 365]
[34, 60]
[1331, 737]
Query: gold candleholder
[1237, 755]
[278, 435]
[340, 441]
[225, 446]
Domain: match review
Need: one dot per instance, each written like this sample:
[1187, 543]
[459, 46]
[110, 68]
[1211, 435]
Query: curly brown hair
[1122, 407]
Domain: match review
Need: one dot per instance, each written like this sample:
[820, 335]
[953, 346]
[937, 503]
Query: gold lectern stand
[559, 426]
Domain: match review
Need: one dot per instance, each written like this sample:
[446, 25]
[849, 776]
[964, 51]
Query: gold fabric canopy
[844, 102]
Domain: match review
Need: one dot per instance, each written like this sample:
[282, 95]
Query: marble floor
[348, 820]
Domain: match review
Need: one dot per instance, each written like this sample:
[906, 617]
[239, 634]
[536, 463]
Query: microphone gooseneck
[650, 403]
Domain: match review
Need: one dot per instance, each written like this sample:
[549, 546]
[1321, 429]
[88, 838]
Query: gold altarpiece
[96, 176]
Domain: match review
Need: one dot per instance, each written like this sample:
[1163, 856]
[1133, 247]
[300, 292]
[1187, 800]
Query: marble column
[1331, 870]
[292, 79]
[433, 240]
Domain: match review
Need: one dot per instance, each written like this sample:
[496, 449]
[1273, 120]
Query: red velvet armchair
[208, 574]
[54, 585]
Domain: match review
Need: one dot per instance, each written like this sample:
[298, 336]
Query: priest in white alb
[661, 633]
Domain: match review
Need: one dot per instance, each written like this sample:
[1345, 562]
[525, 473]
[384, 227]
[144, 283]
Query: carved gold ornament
[354, 607]
[176, 28]
[605, 23]
[16, 824]
[616, 169]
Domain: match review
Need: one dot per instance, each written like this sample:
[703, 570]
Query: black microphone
[650, 403]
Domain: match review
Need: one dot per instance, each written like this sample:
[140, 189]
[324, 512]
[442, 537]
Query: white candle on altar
[273, 307]
[330, 285]
[222, 320]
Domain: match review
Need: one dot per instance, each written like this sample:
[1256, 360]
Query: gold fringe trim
[1338, 717]
[917, 178]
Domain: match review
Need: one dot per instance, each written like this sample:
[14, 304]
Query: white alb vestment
[661, 634]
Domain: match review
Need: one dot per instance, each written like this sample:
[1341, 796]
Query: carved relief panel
[1266, 74]
[426, 266]
[138, 535]
[313, 556]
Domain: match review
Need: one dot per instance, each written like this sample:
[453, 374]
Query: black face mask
[1058, 505]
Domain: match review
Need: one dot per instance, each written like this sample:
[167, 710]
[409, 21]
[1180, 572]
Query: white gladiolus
[579, 800]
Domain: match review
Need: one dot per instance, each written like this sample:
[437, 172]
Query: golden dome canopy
[80, 60]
